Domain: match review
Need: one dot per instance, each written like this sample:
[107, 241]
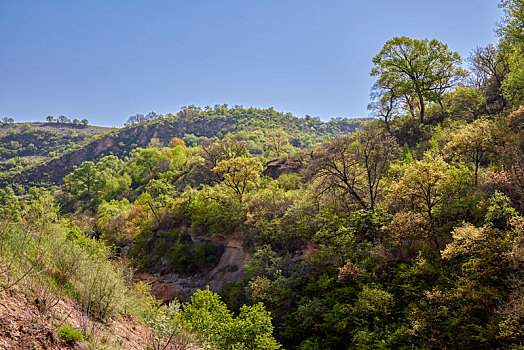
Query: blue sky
[106, 60]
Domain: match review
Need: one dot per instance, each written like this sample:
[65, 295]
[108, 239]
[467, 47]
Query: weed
[70, 334]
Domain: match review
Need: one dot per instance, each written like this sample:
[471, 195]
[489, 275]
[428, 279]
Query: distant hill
[23, 144]
[43, 153]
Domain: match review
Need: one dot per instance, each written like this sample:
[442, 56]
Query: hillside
[355, 239]
[45, 153]
[232, 228]
[24, 144]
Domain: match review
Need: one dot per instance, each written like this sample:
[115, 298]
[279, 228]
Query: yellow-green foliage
[209, 317]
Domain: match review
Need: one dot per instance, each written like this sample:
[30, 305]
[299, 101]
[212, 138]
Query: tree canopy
[425, 69]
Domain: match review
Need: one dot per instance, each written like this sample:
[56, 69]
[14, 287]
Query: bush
[174, 250]
[188, 257]
[209, 317]
[69, 334]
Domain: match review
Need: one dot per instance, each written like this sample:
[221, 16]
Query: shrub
[69, 334]
[209, 317]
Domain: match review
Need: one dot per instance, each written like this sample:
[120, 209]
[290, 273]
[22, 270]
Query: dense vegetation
[406, 233]
[27, 143]
[42, 154]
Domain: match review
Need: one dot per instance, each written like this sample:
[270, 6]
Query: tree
[385, 102]
[512, 86]
[277, 141]
[63, 119]
[466, 103]
[377, 150]
[7, 120]
[425, 68]
[92, 181]
[175, 141]
[148, 164]
[216, 152]
[83, 180]
[10, 208]
[155, 143]
[473, 142]
[511, 29]
[208, 317]
[356, 164]
[488, 64]
[511, 33]
[239, 173]
[135, 119]
[423, 187]
[139, 118]
[84, 122]
[336, 168]
[112, 223]
[50, 119]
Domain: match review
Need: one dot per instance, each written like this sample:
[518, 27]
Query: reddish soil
[24, 326]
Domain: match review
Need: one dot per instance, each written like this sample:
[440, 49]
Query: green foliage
[213, 211]
[209, 317]
[500, 211]
[240, 174]
[512, 84]
[177, 250]
[474, 143]
[148, 164]
[277, 142]
[464, 103]
[188, 257]
[70, 334]
[93, 183]
[511, 29]
[289, 181]
[356, 243]
[112, 221]
[10, 208]
[35, 142]
[424, 69]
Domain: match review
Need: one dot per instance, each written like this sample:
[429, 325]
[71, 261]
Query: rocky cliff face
[231, 265]
[294, 163]
[230, 268]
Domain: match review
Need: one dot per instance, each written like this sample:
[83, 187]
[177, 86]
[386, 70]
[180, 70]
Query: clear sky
[106, 60]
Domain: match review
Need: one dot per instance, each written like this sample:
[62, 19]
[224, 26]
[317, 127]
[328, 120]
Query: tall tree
[473, 143]
[239, 174]
[425, 68]
[511, 29]
[7, 120]
[63, 119]
[423, 188]
[489, 65]
[355, 165]
[277, 141]
[214, 153]
[511, 33]
[376, 151]
[384, 103]
[83, 181]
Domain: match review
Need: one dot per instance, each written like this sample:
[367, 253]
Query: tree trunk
[422, 107]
